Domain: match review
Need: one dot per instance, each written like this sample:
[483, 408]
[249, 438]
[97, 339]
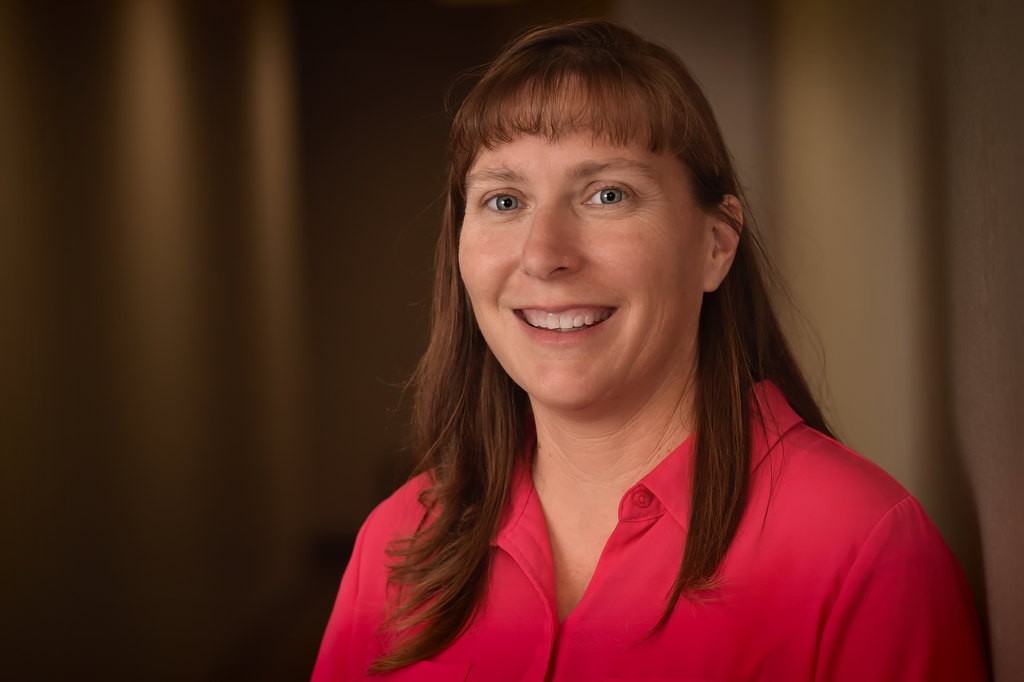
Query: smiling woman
[624, 475]
[566, 230]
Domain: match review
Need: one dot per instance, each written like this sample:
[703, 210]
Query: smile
[570, 320]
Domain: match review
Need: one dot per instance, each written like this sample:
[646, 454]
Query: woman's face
[586, 264]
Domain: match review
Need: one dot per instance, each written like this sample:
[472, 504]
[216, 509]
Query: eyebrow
[587, 169]
[496, 174]
[582, 170]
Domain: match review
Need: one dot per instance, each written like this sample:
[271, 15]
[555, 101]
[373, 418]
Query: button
[642, 497]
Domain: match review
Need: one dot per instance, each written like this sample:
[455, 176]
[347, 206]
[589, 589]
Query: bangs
[621, 104]
[603, 82]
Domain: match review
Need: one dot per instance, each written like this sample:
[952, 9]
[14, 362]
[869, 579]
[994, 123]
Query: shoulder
[352, 639]
[849, 536]
[893, 600]
[829, 498]
[396, 517]
[821, 470]
[801, 472]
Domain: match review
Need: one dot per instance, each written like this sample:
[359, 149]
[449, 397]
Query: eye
[503, 202]
[608, 195]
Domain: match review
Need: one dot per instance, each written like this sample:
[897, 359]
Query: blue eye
[503, 202]
[608, 195]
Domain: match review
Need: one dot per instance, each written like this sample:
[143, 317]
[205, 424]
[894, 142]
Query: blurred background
[216, 228]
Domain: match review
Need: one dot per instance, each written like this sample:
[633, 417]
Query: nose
[552, 245]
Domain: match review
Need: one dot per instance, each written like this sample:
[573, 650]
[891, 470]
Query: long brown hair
[598, 77]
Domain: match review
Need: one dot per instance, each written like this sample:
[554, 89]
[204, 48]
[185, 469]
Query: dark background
[216, 230]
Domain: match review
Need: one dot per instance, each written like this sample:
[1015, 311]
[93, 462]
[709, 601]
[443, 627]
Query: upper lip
[561, 308]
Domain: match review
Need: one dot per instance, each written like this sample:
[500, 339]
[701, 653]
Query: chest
[575, 553]
[609, 634]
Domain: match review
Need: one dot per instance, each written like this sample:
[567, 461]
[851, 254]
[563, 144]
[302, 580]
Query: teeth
[566, 321]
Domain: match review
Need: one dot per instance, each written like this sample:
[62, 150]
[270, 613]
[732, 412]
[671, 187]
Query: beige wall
[849, 222]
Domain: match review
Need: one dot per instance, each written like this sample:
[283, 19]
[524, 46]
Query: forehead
[577, 155]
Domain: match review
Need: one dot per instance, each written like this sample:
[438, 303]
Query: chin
[561, 397]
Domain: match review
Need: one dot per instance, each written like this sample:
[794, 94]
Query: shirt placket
[587, 636]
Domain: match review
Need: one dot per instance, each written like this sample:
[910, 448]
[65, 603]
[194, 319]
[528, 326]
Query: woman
[625, 475]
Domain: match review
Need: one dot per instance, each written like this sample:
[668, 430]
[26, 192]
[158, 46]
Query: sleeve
[341, 654]
[904, 611]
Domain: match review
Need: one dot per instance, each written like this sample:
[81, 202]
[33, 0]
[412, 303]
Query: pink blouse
[835, 574]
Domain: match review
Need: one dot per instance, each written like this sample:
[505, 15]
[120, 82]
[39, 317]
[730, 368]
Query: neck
[596, 459]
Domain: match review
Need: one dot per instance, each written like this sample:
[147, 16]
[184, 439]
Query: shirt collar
[670, 480]
[521, 489]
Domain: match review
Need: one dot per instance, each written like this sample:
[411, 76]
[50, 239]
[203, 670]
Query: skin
[560, 233]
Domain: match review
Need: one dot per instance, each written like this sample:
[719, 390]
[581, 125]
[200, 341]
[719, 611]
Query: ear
[725, 239]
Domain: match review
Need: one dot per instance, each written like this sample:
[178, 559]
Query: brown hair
[598, 77]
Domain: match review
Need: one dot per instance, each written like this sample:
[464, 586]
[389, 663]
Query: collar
[521, 490]
[669, 482]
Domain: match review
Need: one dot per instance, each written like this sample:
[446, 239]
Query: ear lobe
[726, 225]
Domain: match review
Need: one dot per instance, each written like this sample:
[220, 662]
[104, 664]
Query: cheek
[483, 288]
[483, 260]
[672, 274]
[664, 255]
[685, 252]
[474, 270]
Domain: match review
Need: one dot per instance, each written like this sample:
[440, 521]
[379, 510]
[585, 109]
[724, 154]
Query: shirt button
[642, 497]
